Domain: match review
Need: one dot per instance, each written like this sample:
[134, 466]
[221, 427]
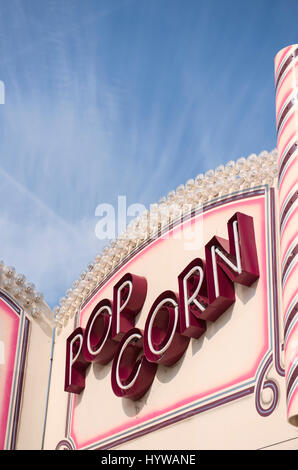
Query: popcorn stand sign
[166, 344]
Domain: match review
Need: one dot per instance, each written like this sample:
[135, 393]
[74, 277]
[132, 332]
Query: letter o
[163, 343]
[98, 346]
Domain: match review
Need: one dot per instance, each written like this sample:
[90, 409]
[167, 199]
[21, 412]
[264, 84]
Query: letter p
[76, 364]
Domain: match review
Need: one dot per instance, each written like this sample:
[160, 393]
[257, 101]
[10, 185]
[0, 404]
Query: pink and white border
[252, 382]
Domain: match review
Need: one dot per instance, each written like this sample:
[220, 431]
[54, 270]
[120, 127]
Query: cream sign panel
[14, 331]
[176, 332]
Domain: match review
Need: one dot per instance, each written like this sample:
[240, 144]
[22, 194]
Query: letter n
[229, 261]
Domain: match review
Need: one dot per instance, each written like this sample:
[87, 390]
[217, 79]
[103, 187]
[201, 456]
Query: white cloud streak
[130, 99]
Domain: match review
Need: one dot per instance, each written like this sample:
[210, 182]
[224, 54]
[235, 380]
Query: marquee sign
[206, 291]
[179, 332]
[210, 333]
[170, 341]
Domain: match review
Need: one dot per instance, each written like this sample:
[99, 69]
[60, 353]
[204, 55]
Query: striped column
[286, 83]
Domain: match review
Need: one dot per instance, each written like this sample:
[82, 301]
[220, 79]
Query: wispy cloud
[122, 98]
[49, 250]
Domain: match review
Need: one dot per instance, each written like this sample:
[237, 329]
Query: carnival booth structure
[183, 332]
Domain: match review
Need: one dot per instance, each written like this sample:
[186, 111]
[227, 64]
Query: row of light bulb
[244, 173]
[24, 292]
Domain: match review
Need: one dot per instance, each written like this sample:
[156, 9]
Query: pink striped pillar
[286, 83]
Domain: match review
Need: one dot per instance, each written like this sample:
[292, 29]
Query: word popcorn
[206, 291]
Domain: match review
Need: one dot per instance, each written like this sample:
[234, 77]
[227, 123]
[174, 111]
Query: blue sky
[123, 97]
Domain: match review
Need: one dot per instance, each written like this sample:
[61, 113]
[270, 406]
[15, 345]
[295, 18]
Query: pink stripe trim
[290, 403]
[293, 331]
[286, 195]
[283, 102]
[285, 126]
[286, 50]
[9, 370]
[287, 223]
[294, 160]
[280, 153]
[280, 86]
[290, 275]
[287, 248]
[287, 307]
